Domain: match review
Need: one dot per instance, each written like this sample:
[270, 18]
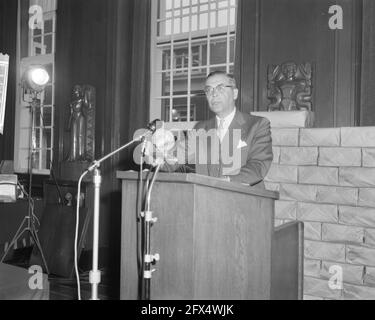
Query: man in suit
[233, 145]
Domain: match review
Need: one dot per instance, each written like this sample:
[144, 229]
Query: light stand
[95, 276]
[29, 218]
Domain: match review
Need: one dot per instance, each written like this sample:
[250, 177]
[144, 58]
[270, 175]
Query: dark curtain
[247, 53]
[105, 44]
[8, 43]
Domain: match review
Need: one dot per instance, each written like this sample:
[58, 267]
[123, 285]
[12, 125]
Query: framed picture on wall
[4, 66]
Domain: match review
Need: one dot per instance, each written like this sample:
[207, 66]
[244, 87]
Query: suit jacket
[245, 154]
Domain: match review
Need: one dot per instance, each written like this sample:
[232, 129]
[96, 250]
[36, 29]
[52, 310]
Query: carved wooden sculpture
[82, 124]
[289, 87]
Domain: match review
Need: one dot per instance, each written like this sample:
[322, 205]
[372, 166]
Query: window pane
[181, 58]
[47, 96]
[47, 116]
[36, 161]
[48, 43]
[203, 21]
[37, 138]
[223, 18]
[166, 58]
[177, 3]
[37, 117]
[185, 24]
[176, 25]
[48, 26]
[37, 47]
[47, 138]
[232, 50]
[37, 32]
[219, 52]
[49, 68]
[166, 83]
[180, 110]
[46, 159]
[180, 84]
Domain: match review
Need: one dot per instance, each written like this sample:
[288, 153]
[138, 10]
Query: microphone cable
[76, 235]
[139, 228]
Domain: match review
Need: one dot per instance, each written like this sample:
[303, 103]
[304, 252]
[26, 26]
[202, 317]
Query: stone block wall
[326, 178]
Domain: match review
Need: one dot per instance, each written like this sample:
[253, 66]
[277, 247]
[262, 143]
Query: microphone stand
[95, 276]
[149, 258]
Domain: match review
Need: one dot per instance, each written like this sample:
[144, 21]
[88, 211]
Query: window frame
[207, 36]
[21, 162]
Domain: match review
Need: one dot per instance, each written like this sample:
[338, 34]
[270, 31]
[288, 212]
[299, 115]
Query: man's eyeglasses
[219, 89]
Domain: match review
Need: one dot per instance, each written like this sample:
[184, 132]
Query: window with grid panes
[191, 38]
[36, 47]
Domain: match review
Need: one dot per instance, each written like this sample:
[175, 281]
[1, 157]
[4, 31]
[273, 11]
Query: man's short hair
[230, 77]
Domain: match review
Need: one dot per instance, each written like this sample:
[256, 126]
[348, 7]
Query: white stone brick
[357, 177]
[340, 157]
[299, 156]
[279, 173]
[360, 255]
[370, 237]
[272, 186]
[352, 292]
[313, 230]
[357, 216]
[368, 157]
[335, 232]
[311, 267]
[285, 137]
[320, 137]
[351, 273]
[366, 197]
[337, 195]
[285, 209]
[320, 288]
[369, 277]
[297, 192]
[276, 155]
[325, 251]
[316, 212]
[318, 175]
[358, 137]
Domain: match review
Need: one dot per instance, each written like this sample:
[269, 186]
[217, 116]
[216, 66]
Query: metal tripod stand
[28, 224]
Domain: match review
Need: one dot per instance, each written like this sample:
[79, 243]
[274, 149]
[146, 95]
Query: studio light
[33, 82]
[35, 78]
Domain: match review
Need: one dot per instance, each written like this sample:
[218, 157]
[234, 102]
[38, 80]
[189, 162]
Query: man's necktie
[221, 130]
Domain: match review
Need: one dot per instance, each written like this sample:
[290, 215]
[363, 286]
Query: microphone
[163, 140]
[152, 126]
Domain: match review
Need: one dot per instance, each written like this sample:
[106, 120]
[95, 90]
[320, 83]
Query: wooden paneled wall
[276, 31]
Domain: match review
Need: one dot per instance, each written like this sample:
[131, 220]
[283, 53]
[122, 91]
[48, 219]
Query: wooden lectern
[213, 237]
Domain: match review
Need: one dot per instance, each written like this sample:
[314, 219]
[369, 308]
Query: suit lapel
[231, 141]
